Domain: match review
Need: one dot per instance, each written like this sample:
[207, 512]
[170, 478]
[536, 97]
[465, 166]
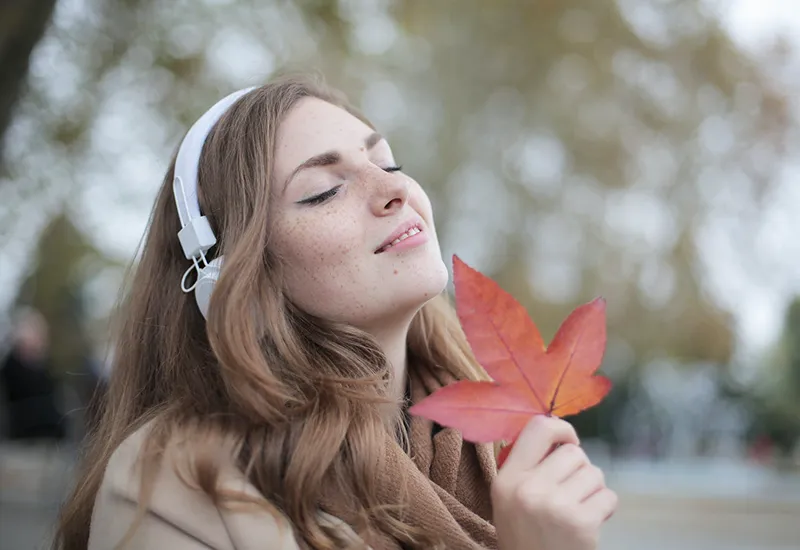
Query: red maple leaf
[529, 378]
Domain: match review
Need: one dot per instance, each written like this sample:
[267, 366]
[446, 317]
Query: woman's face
[355, 234]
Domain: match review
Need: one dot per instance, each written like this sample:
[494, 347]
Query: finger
[536, 441]
[601, 505]
[584, 483]
[562, 463]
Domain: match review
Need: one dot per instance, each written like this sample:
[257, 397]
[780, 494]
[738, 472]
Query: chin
[403, 294]
[427, 281]
[440, 276]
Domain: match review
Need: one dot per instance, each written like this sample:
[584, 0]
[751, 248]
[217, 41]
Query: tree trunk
[22, 25]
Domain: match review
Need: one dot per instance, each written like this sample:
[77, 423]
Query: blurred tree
[583, 147]
[42, 160]
[64, 260]
[792, 346]
[571, 148]
[22, 24]
[777, 404]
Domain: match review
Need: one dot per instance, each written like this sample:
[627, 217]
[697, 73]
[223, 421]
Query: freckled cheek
[324, 246]
[326, 270]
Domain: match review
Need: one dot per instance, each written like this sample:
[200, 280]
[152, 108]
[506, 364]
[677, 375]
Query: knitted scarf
[446, 479]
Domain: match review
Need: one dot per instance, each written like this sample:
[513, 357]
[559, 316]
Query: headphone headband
[196, 236]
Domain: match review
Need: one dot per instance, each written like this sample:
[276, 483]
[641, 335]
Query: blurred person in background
[30, 391]
[274, 413]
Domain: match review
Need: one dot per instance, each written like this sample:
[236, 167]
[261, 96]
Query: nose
[390, 195]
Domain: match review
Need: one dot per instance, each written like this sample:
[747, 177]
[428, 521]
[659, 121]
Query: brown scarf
[447, 479]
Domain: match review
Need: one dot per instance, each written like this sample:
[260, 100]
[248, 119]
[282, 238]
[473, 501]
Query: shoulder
[176, 514]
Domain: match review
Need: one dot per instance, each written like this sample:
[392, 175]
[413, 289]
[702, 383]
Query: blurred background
[642, 150]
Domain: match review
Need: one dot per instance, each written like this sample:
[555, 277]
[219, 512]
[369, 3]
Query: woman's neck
[394, 345]
[396, 352]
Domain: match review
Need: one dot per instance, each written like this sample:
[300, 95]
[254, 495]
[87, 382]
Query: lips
[403, 231]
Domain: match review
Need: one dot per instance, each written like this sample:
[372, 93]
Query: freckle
[395, 272]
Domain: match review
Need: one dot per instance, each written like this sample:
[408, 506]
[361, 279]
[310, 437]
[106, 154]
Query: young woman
[270, 413]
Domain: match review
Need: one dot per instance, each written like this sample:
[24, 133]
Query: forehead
[313, 127]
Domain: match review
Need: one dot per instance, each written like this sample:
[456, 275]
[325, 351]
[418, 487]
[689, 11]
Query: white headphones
[196, 236]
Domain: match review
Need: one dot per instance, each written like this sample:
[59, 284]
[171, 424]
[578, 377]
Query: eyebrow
[329, 158]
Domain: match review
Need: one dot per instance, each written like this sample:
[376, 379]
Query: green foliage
[792, 346]
[776, 402]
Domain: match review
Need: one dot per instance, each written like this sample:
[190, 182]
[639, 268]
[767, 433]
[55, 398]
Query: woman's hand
[547, 495]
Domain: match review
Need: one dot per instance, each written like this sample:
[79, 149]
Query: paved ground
[32, 482]
[703, 506]
[661, 508]
[659, 523]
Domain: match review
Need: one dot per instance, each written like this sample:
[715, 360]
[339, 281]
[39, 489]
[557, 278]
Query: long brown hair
[298, 397]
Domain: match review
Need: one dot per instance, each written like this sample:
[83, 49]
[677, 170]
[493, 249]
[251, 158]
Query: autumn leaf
[528, 378]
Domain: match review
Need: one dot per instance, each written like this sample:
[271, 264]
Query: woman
[271, 413]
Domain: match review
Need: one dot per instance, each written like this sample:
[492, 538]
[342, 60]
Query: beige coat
[179, 517]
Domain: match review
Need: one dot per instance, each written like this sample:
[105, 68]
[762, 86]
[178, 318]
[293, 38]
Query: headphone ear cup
[206, 279]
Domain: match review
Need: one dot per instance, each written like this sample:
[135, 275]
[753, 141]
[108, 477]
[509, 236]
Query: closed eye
[322, 197]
